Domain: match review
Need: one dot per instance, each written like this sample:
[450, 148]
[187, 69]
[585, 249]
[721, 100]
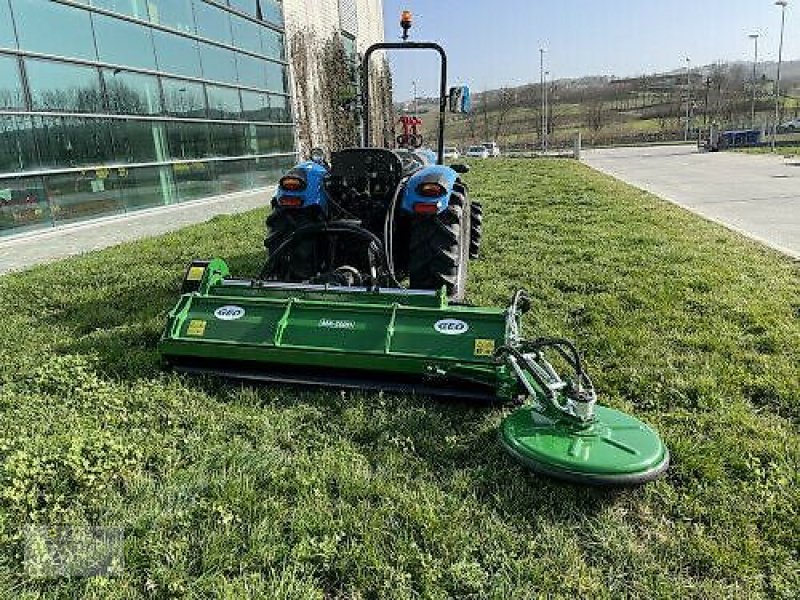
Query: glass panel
[17, 150]
[268, 10]
[259, 106]
[280, 109]
[176, 54]
[269, 170]
[255, 106]
[72, 141]
[184, 98]
[176, 14]
[144, 187]
[247, 7]
[90, 193]
[62, 86]
[246, 34]
[7, 38]
[274, 139]
[11, 95]
[188, 140]
[132, 93]
[252, 71]
[266, 140]
[23, 205]
[251, 139]
[277, 78]
[228, 140]
[36, 20]
[271, 11]
[272, 43]
[223, 103]
[235, 175]
[213, 23]
[219, 64]
[123, 43]
[194, 180]
[138, 141]
[349, 45]
[132, 8]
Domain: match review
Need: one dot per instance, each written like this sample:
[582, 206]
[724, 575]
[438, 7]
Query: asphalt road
[756, 195]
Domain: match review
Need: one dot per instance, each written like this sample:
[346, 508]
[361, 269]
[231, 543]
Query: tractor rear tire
[281, 223]
[439, 250]
[476, 229]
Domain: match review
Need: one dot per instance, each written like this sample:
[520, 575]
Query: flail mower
[330, 307]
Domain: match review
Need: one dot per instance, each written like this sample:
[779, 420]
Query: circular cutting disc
[616, 449]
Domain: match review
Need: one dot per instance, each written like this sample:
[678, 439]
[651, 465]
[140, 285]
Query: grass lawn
[240, 491]
[779, 150]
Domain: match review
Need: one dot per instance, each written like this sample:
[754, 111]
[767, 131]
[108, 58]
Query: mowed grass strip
[253, 491]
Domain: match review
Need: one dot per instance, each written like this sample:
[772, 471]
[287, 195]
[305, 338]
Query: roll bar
[365, 129]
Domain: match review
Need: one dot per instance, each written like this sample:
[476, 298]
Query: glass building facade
[109, 106]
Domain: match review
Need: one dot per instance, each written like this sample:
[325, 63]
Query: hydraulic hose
[388, 230]
[376, 247]
[571, 355]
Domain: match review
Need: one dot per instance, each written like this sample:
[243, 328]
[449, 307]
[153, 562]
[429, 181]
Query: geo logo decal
[451, 326]
[229, 313]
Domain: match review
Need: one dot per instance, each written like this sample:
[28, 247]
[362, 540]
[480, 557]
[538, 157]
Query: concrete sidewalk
[757, 195]
[25, 250]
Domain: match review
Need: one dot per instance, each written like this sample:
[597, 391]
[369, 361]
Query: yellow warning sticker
[196, 327]
[484, 347]
[195, 273]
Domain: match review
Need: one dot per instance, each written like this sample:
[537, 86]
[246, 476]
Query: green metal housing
[613, 449]
[257, 330]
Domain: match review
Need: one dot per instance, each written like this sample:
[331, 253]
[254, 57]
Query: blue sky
[492, 43]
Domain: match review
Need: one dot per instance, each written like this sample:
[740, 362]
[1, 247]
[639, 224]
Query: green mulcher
[329, 307]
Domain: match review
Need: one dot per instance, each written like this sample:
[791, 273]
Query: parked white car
[451, 152]
[478, 152]
[793, 125]
[493, 148]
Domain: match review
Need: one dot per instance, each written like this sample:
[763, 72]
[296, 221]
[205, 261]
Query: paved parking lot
[21, 251]
[757, 195]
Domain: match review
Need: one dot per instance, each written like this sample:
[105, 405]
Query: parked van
[492, 147]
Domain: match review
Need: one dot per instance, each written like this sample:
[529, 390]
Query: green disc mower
[331, 307]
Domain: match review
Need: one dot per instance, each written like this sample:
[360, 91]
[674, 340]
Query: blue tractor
[374, 217]
[328, 310]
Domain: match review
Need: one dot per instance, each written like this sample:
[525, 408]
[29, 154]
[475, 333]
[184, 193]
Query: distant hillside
[613, 110]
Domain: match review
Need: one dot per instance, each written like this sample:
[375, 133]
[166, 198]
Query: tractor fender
[314, 193]
[444, 176]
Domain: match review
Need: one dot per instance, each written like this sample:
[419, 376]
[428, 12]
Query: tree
[596, 115]
[506, 100]
[338, 93]
[299, 55]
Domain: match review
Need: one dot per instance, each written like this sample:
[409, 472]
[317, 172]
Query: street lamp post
[688, 98]
[754, 37]
[546, 114]
[782, 4]
[544, 97]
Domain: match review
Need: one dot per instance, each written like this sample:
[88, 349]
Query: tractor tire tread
[476, 229]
